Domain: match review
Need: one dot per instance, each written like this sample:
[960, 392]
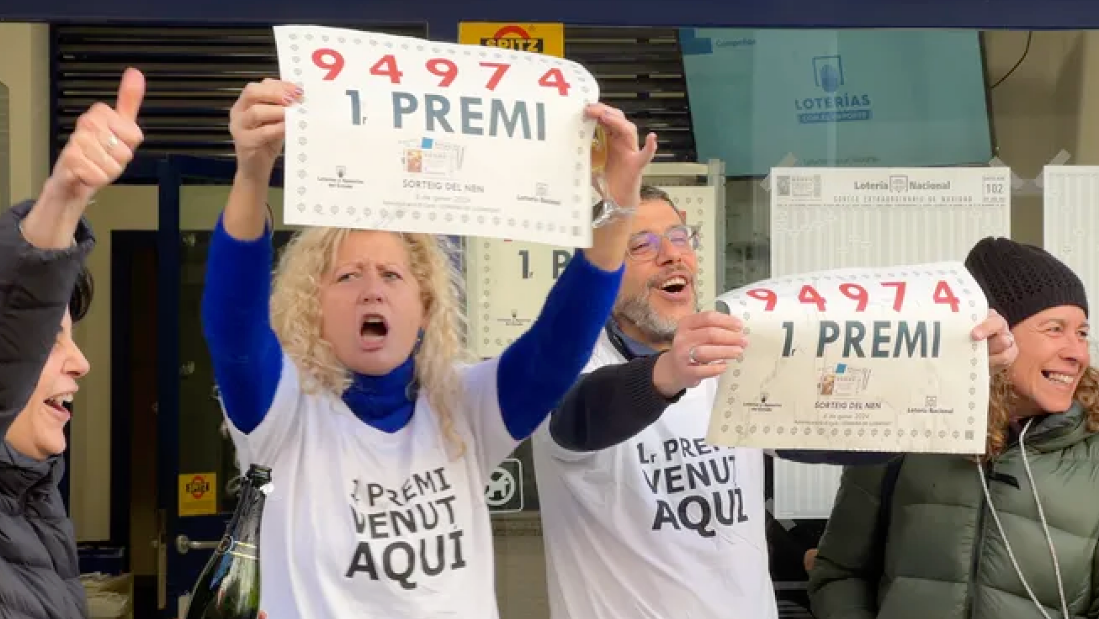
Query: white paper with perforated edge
[858, 359]
[411, 135]
[873, 217]
[1071, 224]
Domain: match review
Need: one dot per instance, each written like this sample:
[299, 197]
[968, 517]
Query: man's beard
[639, 311]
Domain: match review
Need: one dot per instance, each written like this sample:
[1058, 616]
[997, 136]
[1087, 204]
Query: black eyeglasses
[645, 245]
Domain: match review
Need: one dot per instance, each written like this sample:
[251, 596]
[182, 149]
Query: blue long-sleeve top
[533, 373]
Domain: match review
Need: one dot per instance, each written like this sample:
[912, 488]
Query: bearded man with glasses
[641, 518]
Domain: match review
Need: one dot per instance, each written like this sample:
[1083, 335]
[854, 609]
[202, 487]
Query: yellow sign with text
[198, 494]
[546, 39]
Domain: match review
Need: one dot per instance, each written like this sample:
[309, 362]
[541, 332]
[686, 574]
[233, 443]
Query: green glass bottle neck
[243, 532]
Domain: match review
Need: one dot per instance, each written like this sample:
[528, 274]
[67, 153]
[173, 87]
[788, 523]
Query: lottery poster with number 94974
[405, 134]
[858, 359]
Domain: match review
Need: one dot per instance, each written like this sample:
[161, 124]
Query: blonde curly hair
[296, 318]
[1004, 400]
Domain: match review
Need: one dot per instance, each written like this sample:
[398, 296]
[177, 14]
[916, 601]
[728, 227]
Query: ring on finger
[111, 141]
[691, 356]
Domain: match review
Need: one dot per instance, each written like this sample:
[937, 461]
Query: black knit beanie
[1021, 280]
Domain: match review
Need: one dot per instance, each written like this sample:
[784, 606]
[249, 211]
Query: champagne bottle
[229, 586]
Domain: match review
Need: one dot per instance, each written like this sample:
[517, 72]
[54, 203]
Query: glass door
[197, 464]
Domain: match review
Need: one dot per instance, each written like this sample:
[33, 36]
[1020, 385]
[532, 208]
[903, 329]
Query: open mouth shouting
[373, 331]
[675, 288]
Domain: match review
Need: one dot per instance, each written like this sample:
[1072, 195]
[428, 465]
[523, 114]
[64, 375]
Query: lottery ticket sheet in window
[405, 134]
[1071, 225]
[858, 359]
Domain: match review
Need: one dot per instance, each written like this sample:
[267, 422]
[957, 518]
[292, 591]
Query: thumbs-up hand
[102, 144]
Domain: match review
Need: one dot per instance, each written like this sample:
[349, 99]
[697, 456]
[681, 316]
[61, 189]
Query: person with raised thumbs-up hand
[44, 288]
[99, 149]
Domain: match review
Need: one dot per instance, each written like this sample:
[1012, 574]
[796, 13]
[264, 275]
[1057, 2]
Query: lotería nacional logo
[831, 100]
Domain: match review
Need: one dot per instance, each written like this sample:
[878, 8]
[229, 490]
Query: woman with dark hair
[1010, 534]
[44, 288]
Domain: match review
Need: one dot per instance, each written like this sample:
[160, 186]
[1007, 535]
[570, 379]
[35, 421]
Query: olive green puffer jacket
[942, 555]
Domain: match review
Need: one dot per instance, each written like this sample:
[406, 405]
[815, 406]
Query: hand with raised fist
[257, 122]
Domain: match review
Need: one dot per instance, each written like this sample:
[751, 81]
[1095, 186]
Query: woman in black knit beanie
[1011, 534]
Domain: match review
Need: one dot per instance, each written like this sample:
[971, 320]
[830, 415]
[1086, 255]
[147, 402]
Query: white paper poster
[832, 218]
[506, 286]
[507, 281]
[858, 360]
[406, 134]
[1071, 224]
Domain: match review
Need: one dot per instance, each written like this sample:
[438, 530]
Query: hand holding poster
[858, 359]
[405, 134]
[507, 281]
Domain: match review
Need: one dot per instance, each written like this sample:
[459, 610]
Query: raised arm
[844, 581]
[43, 246]
[610, 405]
[246, 355]
[614, 403]
[538, 368]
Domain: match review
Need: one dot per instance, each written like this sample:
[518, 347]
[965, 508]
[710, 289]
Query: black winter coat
[39, 572]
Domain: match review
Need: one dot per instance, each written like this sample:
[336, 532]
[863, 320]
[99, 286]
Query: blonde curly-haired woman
[347, 380]
[1013, 534]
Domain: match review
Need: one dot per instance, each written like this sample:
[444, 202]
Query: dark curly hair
[83, 292]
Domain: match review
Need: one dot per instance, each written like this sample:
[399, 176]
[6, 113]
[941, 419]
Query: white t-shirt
[362, 524]
[661, 526]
